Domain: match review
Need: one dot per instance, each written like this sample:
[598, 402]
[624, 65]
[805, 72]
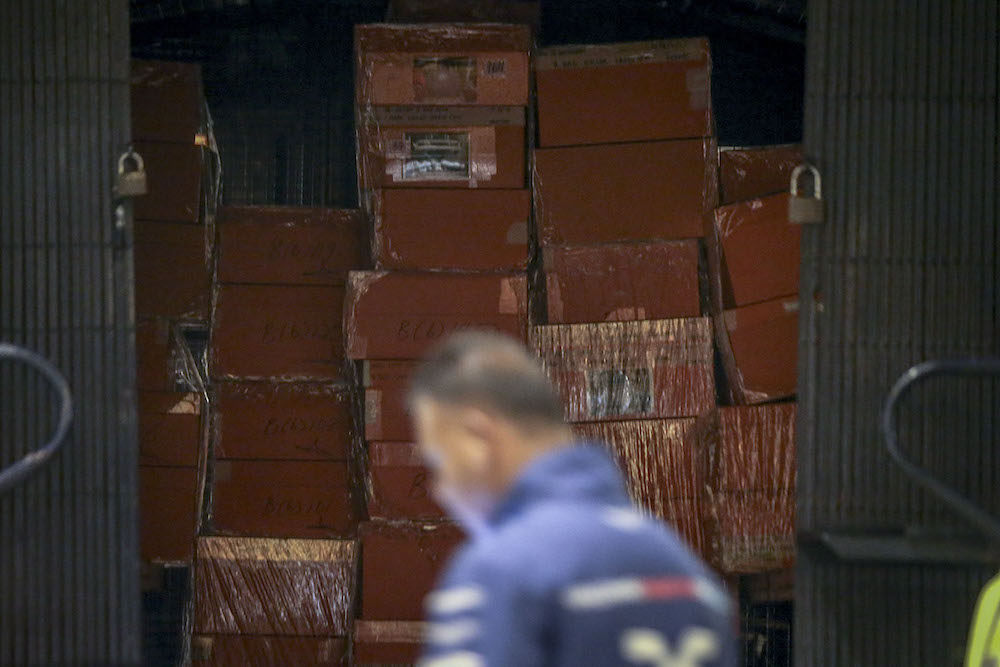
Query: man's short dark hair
[491, 371]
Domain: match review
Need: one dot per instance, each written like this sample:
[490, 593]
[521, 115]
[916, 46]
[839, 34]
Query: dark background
[279, 75]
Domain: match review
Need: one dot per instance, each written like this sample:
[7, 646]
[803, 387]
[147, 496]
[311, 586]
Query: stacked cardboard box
[273, 602]
[282, 429]
[753, 257]
[172, 277]
[442, 149]
[750, 467]
[275, 583]
[623, 176]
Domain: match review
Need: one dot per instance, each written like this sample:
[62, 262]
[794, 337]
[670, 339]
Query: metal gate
[901, 118]
[68, 540]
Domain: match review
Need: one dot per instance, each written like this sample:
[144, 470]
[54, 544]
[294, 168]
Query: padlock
[802, 209]
[131, 183]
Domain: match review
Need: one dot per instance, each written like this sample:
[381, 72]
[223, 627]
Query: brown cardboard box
[286, 587]
[759, 349]
[173, 176]
[753, 252]
[166, 101]
[154, 356]
[630, 370]
[167, 513]
[387, 642]
[307, 499]
[281, 245]
[607, 93]
[442, 147]
[749, 173]
[464, 230]
[621, 282]
[400, 484]
[400, 564]
[751, 476]
[386, 384]
[169, 428]
[290, 332]
[171, 271]
[285, 421]
[400, 315]
[665, 473]
[265, 651]
[483, 64]
[624, 192]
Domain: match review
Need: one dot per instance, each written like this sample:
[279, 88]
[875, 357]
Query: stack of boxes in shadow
[276, 562]
[442, 154]
[662, 303]
[625, 173]
[749, 444]
[645, 268]
[172, 232]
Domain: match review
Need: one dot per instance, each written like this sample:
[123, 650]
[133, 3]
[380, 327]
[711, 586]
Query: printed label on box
[619, 392]
[434, 156]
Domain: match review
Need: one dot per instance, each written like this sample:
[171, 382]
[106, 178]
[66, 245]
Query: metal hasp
[803, 209]
[20, 470]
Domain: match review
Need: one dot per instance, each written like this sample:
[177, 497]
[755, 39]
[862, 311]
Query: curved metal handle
[987, 523]
[17, 472]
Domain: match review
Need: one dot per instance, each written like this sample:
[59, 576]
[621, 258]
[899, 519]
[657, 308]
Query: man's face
[457, 443]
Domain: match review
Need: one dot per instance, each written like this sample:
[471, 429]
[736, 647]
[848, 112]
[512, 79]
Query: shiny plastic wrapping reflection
[756, 171]
[751, 486]
[283, 587]
[663, 469]
[387, 642]
[630, 370]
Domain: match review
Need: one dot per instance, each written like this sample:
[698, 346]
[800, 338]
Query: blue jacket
[568, 573]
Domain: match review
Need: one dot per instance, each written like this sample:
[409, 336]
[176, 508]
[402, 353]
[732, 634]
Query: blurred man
[558, 568]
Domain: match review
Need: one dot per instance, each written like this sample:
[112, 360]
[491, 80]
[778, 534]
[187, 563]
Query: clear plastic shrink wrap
[751, 481]
[630, 370]
[663, 469]
[756, 171]
[287, 587]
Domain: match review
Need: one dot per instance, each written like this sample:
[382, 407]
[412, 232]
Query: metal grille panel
[68, 561]
[901, 117]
